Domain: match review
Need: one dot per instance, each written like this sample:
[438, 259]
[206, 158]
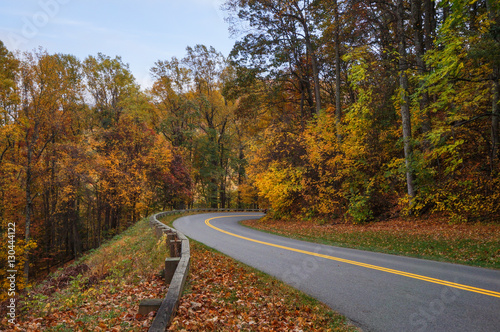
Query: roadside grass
[100, 291]
[468, 244]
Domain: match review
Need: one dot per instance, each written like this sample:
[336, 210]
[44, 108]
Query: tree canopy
[349, 110]
[367, 108]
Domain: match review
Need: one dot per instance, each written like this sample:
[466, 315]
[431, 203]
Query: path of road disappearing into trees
[378, 292]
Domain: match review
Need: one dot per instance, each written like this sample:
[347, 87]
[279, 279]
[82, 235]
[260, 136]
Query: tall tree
[489, 50]
[194, 115]
[282, 41]
[41, 94]
[404, 99]
[206, 67]
[173, 116]
[331, 20]
[110, 83]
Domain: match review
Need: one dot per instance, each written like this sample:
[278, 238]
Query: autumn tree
[11, 193]
[79, 159]
[41, 91]
[463, 90]
[174, 115]
[9, 133]
[418, 85]
[109, 82]
[194, 108]
[280, 44]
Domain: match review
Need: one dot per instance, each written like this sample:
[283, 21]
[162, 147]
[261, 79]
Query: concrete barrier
[176, 269]
[171, 264]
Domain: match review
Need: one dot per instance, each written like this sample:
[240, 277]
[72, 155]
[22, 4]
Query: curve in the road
[416, 295]
[368, 266]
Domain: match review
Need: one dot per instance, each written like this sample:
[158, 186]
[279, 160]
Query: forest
[349, 110]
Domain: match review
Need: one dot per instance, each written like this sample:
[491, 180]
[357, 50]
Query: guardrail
[176, 267]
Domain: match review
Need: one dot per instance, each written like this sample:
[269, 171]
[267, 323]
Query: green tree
[282, 45]
[110, 84]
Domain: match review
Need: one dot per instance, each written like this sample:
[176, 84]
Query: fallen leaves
[88, 297]
[473, 244]
[224, 295]
[108, 307]
[63, 279]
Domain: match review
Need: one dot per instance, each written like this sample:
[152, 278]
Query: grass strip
[100, 291]
[475, 245]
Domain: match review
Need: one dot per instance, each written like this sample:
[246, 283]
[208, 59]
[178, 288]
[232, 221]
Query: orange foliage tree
[78, 161]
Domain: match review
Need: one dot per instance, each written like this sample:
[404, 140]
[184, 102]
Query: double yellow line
[347, 261]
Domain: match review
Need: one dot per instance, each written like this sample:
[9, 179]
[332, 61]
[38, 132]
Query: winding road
[377, 292]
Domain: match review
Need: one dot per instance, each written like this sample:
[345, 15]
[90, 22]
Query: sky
[140, 31]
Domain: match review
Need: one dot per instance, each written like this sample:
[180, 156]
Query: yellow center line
[347, 261]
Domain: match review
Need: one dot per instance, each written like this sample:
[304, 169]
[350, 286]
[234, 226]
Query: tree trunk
[419, 40]
[302, 98]
[241, 174]
[99, 219]
[495, 96]
[222, 195]
[429, 24]
[405, 105]
[222, 187]
[212, 193]
[314, 65]
[107, 217]
[28, 210]
[50, 204]
[338, 110]
[495, 129]
[77, 242]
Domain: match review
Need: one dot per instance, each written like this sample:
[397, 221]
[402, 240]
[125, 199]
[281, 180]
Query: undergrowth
[100, 291]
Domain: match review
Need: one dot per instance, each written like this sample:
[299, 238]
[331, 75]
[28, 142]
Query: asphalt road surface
[377, 292]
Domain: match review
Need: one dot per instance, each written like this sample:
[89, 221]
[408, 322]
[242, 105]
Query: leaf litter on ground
[225, 295]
